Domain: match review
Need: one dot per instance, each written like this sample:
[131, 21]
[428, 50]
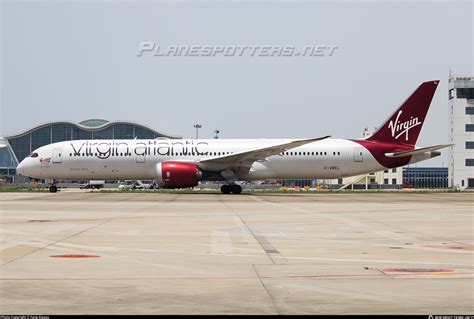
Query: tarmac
[80, 252]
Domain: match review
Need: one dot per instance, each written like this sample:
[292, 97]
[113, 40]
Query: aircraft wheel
[236, 189]
[53, 189]
[225, 189]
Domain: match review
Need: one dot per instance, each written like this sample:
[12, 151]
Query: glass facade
[298, 182]
[6, 159]
[40, 137]
[426, 177]
[465, 93]
[470, 183]
[61, 132]
[143, 133]
[80, 134]
[123, 131]
[23, 145]
[93, 122]
[106, 134]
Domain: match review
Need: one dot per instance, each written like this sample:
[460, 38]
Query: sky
[76, 60]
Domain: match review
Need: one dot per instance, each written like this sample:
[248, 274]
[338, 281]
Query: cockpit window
[33, 155]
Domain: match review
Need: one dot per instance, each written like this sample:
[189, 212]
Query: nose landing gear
[53, 188]
[234, 189]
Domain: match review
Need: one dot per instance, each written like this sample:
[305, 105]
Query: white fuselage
[137, 159]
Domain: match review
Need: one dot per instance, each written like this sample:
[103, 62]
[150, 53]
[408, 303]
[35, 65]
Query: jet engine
[177, 174]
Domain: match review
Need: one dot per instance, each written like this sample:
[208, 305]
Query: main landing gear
[53, 188]
[234, 189]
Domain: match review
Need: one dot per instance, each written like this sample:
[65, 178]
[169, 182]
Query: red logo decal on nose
[45, 160]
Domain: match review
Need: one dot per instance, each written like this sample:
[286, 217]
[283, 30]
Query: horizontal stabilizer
[417, 151]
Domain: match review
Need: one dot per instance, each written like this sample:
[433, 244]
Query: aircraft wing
[417, 151]
[246, 158]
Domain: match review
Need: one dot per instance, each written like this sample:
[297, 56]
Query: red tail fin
[404, 126]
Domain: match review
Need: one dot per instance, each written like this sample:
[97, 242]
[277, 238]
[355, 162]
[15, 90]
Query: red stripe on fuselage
[378, 150]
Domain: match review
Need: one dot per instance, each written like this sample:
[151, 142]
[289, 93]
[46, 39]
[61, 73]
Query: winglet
[309, 140]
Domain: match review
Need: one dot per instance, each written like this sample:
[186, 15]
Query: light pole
[217, 132]
[197, 127]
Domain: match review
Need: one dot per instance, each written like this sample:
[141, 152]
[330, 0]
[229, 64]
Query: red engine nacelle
[177, 174]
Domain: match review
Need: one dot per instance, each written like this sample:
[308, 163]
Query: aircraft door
[140, 158]
[57, 157]
[358, 157]
[140, 152]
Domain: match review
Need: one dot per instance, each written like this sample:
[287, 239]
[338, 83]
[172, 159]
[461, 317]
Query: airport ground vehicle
[135, 185]
[147, 184]
[92, 184]
[184, 163]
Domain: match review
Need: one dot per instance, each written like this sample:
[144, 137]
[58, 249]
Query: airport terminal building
[14, 148]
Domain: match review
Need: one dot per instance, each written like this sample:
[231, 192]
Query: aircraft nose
[27, 167]
[21, 168]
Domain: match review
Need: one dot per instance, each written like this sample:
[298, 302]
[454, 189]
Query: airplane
[184, 163]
